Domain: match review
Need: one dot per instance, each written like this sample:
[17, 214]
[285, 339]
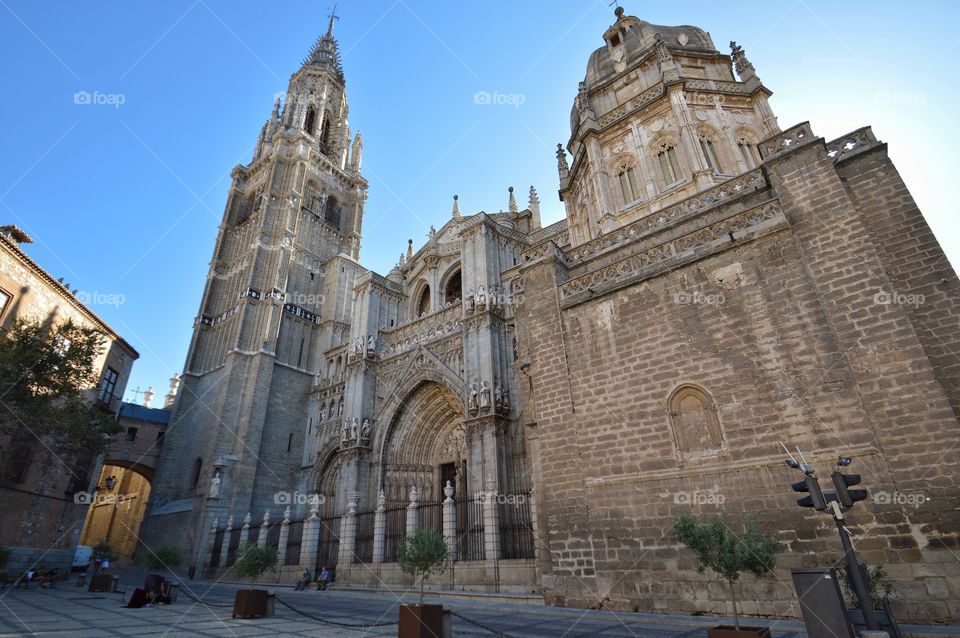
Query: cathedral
[549, 399]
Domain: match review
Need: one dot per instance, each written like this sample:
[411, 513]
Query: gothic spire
[512, 203]
[325, 54]
[456, 207]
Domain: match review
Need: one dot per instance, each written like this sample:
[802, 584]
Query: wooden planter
[727, 631]
[250, 603]
[421, 621]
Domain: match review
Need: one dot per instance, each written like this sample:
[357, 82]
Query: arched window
[325, 133]
[423, 303]
[669, 163]
[695, 425]
[628, 184]
[709, 154]
[748, 151]
[197, 466]
[331, 214]
[453, 291]
[310, 122]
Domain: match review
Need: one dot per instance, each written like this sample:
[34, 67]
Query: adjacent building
[43, 519]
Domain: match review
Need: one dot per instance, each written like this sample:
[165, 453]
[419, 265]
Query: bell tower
[274, 302]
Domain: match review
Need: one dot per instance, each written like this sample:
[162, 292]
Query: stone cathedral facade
[550, 398]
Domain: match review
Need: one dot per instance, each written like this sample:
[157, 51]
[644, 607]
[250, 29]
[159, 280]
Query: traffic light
[815, 499]
[847, 497]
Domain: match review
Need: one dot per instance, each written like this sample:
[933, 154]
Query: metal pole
[853, 571]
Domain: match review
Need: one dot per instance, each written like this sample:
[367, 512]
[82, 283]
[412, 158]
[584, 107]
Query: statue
[371, 346]
[484, 396]
[353, 429]
[472, 398]
[481, 298]
[365, 432]
[215, 485]
[340, 408]
[344, 435]
[498, 397]
[433, 233]
[470, 302]
[506, 399]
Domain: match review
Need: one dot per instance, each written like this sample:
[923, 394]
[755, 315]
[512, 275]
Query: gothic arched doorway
[426, 446]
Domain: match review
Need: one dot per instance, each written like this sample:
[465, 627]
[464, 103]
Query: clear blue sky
[124, 200]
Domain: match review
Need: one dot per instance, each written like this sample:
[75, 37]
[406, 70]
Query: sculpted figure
[215, 486]
[481, 298]
[365, 432]
[472, 398]
[484, 395]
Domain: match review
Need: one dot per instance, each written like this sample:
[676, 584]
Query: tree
[424, 553]
[727, 553]
[167, 557]
[105, 551]
[253, 560]
[878, 584]
[46, 371]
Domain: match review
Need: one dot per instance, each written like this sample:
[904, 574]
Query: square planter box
[421, 621]
[249, 603]
[101, 582]
[727, 631]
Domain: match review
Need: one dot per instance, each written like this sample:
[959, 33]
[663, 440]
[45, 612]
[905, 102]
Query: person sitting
[304, 580]
[153, 588]
[47, 578]
[323, 579]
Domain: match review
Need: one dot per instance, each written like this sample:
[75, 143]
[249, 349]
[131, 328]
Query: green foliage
[104, 551]
[46, 371]
[4, 556]
[253, 560]
[167, 557]
[726, 552]
[424, 554]
[878, 582]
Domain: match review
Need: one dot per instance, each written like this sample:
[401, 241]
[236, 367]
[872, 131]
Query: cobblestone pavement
[72, 611]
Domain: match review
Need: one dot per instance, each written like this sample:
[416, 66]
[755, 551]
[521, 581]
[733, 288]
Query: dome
[637, 37]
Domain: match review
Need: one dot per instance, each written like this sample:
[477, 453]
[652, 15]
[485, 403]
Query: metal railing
[516, 527]
[470, 528]
[328, 547]
[396, 532]
[363, 545]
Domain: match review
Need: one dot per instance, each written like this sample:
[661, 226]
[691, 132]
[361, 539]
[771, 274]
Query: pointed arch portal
[425, 445]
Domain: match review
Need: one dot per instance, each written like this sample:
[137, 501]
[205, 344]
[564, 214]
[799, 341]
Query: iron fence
[396, 532]
[329, 544]
[470, 528]
[234, 543]
[363, 543]
[431, 516]
[217, 548]
[516, 526]
[294, 539]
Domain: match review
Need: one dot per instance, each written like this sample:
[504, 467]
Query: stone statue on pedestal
[484, 396]
[215, 485]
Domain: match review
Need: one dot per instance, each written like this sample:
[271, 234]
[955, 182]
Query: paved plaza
[72, 611]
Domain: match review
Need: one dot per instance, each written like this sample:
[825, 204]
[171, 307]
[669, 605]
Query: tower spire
[333, 16]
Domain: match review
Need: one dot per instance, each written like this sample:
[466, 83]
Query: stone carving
[472, 402]
[345, 435]
[365, 433]
[371, 346]
[744, 69]
[340, 408]
[354, 429]
[853, 142]
[215, 485]
[498, 397]
[481, 298]
[471, 302]
[484, 396]
[562, 165]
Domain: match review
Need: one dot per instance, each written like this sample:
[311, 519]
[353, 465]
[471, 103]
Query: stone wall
[776, 332]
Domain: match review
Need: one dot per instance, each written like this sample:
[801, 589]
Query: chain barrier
[334, 622]
[499, 634]
[204, 602]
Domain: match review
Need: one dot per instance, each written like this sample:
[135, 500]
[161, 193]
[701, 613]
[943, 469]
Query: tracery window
[669, 163]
